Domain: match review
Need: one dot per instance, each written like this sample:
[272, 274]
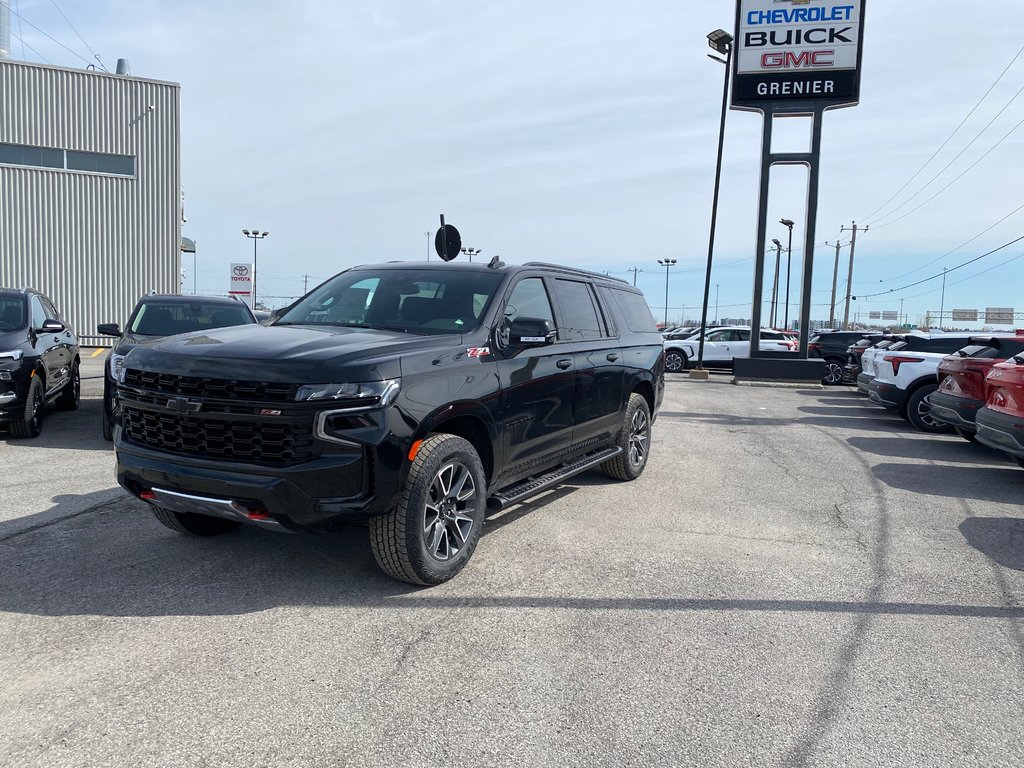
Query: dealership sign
[241, 282]
[790, 54]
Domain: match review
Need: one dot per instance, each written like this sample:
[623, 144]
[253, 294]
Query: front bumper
[333, 488]
[1001, 431]
[886, 395]
[13, 391]
[957, 411]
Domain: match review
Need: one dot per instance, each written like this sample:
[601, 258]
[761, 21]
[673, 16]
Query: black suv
[39, 361]
[154, 317]
[832, 346]
[409, 395]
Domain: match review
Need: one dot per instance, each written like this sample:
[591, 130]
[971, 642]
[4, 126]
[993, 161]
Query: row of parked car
[40, 361]
[970, 384]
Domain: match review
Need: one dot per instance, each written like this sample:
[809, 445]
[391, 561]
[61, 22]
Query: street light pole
[254, 235]
[789, 260]
[666, 263]
[942, 306]
[716, 304]
[471, 252]
[775, 284]
[428, 245]
[721, 42]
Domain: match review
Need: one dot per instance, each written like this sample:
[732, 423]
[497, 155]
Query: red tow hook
[258, 515]
[147, 495]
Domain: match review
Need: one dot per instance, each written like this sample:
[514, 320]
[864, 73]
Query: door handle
[563, 364]
[612, 357]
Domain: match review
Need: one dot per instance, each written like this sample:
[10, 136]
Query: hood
[287, 354]
[11, 340]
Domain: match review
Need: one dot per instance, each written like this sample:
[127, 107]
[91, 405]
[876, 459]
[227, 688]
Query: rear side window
[634, 310]
[579, 315]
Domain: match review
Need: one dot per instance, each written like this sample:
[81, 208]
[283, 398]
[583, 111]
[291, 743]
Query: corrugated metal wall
[92, 243]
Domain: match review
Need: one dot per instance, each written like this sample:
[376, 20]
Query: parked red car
[963, 390]
[1001, 421]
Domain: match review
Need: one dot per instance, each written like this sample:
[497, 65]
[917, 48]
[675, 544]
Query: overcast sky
[577, 132]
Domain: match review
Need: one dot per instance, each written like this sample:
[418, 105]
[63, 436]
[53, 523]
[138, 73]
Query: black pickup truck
[409, 395]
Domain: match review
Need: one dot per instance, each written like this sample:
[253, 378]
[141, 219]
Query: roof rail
[575, 271]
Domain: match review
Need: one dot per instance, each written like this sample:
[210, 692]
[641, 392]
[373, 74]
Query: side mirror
[52, 326]
[109, 329]
[531, 332]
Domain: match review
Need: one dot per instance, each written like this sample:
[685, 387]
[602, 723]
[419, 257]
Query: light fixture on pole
[789, 260]
[775, 283]
[255, 235]
[721, 42]
[471, 252]
[667, 264]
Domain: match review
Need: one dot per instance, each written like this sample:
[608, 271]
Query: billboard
[890, 315]
[965, 315]
[241, 282]
[789, 54]
[874, 315]
[999, 315]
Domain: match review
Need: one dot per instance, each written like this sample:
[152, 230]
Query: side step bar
[531, 486]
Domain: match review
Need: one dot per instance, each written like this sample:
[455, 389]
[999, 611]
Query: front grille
[205, 388]
[262, 442]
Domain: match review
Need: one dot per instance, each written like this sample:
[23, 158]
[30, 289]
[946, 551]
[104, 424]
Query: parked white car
[721, 346]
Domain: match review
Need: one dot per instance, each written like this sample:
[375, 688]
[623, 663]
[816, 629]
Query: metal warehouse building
[90, 188]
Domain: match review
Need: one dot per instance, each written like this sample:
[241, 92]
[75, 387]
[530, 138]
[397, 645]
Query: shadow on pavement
[936, 449]
[980, 483]
[72, 430]
[999, 538]
[878, 421]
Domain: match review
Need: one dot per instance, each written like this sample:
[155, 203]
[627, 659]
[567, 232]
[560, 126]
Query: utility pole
[849, 279]
[775, 283]
[716, 303]
[942, 306]
[835, 282]
[305, 284]
[634, 270]
[901, 314]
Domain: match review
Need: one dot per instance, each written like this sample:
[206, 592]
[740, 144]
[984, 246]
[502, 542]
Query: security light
[720, 40]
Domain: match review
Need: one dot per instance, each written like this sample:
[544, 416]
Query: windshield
[156, 318]
[12, 313]
[422, 301]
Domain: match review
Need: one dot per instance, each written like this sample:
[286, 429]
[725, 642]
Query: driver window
[529, 299]
[38, 313]
[720, 336]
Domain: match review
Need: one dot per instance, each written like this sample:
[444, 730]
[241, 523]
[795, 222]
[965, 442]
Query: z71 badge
[478, 351]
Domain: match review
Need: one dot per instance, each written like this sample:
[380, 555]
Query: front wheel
[72, 392]
[634, 439]
[833, 373]
[31, 424]
[919, 412]
[675, 361]
[430, 536]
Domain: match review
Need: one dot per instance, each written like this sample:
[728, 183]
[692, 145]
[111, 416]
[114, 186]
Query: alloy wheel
[924, 411]
[448, 511]
[673, 362]
[833, 373]
[640, 432]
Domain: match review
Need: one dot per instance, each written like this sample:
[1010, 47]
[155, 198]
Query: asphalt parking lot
[797, 579]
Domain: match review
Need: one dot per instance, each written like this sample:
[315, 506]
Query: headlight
[366, 394]
[14, 354]
[116, 367]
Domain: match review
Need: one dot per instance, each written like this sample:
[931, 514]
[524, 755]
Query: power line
[955, 158]
[37, 29]
[948, 138]
[21, 29]
[951, 269]
[24, 45]
[967, 170]
[94, 54]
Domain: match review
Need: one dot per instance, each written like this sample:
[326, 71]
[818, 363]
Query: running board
[513, 494]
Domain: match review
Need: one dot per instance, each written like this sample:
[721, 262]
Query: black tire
[31, 424]
[675, 361]
[833, 373]
[970, 437]
[1020, 461]
[634, 439]
[919, 412]
[68, 398]
[192, 524]
[108, 427]
[430, 536]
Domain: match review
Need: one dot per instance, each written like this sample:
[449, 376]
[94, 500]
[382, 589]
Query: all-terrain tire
[31, 423]
[430, 536]
[192, 524]
[68, 398]
[919, 412]
[634, 438]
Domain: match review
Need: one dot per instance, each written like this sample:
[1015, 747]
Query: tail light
[813, 347]
[898, 360]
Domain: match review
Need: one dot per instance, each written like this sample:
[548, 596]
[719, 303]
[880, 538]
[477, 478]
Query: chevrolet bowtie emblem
[183, 405]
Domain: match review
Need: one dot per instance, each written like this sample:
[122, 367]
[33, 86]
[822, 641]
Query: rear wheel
[634, 439]
[193, 524]
[31, 424]
[675, 361]
[970, 437]
[833, 373]
[68, 398]
[430, 536]
[919, 412]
